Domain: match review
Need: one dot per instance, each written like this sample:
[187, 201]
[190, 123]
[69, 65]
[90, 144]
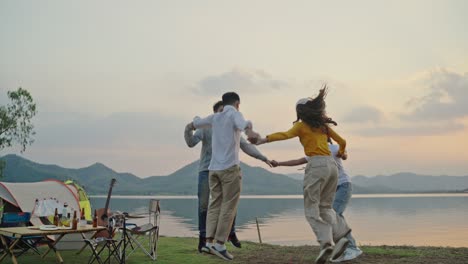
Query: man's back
[226, 129]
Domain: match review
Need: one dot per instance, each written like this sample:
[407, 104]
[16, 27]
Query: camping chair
[26, 243]
[109, 245]
[135, 234]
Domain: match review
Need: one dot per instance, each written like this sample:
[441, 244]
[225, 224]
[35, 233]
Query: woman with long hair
[313, 127]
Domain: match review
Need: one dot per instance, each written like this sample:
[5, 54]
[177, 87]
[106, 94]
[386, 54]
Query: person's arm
[295, 162]
[191, 138]
[251, 150]
[291, 133]
[244, 125]
[202, 122]
[345, 155]
[338, 140]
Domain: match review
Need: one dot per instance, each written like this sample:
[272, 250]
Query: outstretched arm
[202, 122]
[191, 138]
[295, 162]
[293, 132]
[252, 151]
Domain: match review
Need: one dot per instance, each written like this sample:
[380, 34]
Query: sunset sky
[116, 81]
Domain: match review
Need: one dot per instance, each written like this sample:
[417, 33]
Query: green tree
[15, 121]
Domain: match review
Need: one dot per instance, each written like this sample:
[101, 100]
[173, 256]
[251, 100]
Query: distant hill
[410, 182]
[96, 178]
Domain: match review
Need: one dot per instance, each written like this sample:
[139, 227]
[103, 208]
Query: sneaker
[349, 254]
[205, 249]
[234, 241]
[324, 254]
[340, 248]
[221, 253]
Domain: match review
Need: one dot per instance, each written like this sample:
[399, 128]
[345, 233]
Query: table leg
[9, 249]
[52, 247]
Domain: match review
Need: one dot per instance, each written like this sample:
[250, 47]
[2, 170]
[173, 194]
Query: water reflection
[433, 220]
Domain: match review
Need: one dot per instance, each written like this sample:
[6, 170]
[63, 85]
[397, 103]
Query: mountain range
[96, 179]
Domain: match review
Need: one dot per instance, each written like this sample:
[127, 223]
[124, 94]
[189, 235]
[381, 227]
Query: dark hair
[217, 105]
[230, 98]
[313, 112]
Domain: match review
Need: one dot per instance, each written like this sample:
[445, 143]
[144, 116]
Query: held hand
[261, 141]
[191, 126]
[344, 156]
[274, 163]
[268, 163]
[253, 137]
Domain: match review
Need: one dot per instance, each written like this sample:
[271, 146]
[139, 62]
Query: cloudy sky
[116, 81]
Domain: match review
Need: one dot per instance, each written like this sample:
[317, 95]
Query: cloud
[446, 98]
[441, 109]
[364, 114]
[72, 130]
[406, 129]
[238, 80]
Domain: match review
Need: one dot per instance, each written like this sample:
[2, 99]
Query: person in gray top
[204, 135]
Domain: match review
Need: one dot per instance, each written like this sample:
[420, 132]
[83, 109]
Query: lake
[399, 219]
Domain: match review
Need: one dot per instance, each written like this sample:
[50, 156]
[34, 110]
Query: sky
[116, 82]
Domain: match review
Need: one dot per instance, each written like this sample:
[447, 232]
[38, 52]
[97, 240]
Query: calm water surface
[420, 220]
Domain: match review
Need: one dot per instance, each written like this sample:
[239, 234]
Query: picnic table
[11, 236]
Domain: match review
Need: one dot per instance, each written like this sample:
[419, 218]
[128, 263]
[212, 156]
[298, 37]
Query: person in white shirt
[225, 174]
[204, 136]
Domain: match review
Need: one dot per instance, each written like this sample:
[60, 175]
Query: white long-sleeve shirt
[225, 139]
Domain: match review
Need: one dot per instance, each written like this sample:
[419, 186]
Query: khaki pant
[321, 177]
[225, 187]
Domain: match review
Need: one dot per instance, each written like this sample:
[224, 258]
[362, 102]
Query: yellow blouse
[314, 140]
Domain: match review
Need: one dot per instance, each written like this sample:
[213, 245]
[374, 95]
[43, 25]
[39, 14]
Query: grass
[173, 250]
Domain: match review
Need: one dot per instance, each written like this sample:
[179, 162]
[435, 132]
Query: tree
[15, 121]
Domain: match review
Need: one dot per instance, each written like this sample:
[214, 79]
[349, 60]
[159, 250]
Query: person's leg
[342, 198]
[214, 206]
[327, 195]
[233, 236]
[231, 187]
[313, 181]
[233, 228]
[231, 184]
[203, 199]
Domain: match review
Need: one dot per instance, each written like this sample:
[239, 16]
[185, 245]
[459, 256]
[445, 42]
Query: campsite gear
[41, 199]
[104, 213]
[18, 234]
[65, 219]
[74, 221]
[115, 247]
[83, 199]
[136, 234]
[56, 217]
[19, 219]
[95, 218]
[82, 221]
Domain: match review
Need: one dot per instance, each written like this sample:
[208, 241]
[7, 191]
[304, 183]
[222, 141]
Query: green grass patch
[173, 250]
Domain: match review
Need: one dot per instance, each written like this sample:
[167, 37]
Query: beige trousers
[321, 177]
[225, 187]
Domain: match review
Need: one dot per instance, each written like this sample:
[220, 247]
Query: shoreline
[287, 196]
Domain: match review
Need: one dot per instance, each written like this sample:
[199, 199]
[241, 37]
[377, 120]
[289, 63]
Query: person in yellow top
[321, 174]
